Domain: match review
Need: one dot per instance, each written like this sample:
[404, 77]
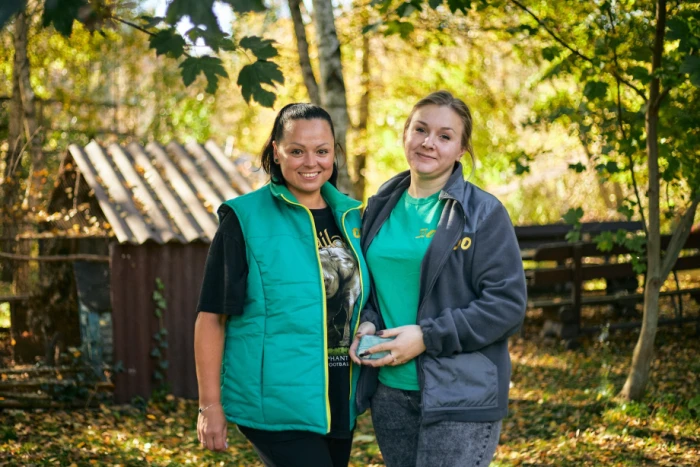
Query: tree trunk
[11, 213]
[333, 96]
[30, 128]
[360, 160]
[303, 50]
[643, 352]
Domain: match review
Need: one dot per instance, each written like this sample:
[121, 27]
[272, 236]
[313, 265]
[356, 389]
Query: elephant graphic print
[341, 279]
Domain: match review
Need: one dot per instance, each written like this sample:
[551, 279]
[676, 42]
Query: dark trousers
[298, 448]
[405, 442]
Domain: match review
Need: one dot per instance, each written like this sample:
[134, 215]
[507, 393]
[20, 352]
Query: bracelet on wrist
[201, 410]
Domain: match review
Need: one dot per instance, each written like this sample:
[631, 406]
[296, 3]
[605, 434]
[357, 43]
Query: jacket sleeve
[369, 314]
[496, 274]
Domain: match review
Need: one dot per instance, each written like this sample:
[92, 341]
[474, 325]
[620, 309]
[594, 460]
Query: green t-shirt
[394, 258]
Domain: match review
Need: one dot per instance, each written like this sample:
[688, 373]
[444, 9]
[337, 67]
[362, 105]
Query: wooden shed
[152, 211]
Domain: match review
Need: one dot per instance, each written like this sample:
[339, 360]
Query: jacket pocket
[465, 380]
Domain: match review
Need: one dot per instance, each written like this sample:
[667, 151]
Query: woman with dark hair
[283, 285]
[449, 288]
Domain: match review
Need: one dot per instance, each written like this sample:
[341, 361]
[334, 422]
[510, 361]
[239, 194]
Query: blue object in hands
[370, 341]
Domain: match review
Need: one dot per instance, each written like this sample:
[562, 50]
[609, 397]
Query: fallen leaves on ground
[564, 412]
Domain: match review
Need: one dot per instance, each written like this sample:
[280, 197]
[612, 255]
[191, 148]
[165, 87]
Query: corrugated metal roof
[162, 194]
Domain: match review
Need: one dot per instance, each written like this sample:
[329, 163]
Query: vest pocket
[465, 380]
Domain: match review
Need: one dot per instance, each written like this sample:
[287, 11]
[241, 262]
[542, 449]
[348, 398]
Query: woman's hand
[364, 329]
[407, 346]
[212, 428]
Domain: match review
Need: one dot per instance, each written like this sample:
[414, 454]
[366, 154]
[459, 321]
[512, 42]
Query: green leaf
[459, 5]
[639, 73]
[694, 403]
[200, 12]
[690, 65]
[61, 14]
[434, 3]
[677, 29]
[521, 168]
[168, 42]
[595, 90]
[151, 21]
[551, 53]
[577, 167]
[610, 167]
[406, 8]
[253, 76]
[155, 353]
[604, 241]
[695, 79]
[215, 40]
[212, 67]
[245, 6]
[261, 48]
[573, 216]
[626, 211]
[403, 28]
[372, 27]
[671, 170]
[573, 236]
[9, 8]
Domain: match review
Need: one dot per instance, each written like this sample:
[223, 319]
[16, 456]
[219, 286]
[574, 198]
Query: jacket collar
[454, 188]
[335, 199]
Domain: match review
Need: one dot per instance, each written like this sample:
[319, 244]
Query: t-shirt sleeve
[226, 270]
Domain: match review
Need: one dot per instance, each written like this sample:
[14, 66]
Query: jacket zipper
[419, 360]
[325, 311]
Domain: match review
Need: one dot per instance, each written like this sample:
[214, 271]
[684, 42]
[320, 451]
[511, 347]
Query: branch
[144, 30]
[576, 52]
[662, 95]
[678, 238]
[624, 134]
[135, 26]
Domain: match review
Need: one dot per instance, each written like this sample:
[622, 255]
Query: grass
[564, 412]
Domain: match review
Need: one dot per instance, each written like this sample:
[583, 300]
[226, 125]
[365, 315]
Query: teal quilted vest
[275, 373]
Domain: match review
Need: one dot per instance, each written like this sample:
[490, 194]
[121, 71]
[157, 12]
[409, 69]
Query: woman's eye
[323, 152]
[296, 152]
[420, 130]
[445, 137]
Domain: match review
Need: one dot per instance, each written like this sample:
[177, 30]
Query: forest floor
[563, 412]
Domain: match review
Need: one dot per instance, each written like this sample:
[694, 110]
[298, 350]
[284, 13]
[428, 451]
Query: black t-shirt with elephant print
[224, 286]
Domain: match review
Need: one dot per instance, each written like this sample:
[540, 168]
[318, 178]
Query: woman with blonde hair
[449, 289]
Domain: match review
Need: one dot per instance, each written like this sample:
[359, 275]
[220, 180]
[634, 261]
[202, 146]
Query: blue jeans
[404, 442]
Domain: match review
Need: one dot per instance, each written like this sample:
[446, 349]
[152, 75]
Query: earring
[277, 161]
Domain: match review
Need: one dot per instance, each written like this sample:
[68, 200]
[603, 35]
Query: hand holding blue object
[368, 341]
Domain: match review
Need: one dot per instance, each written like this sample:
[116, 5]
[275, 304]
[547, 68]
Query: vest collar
[335, 199]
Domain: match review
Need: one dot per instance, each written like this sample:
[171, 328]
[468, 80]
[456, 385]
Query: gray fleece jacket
[472, 298]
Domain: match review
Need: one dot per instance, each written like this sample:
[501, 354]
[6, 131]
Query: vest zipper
[362, 291]
[325, 311]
